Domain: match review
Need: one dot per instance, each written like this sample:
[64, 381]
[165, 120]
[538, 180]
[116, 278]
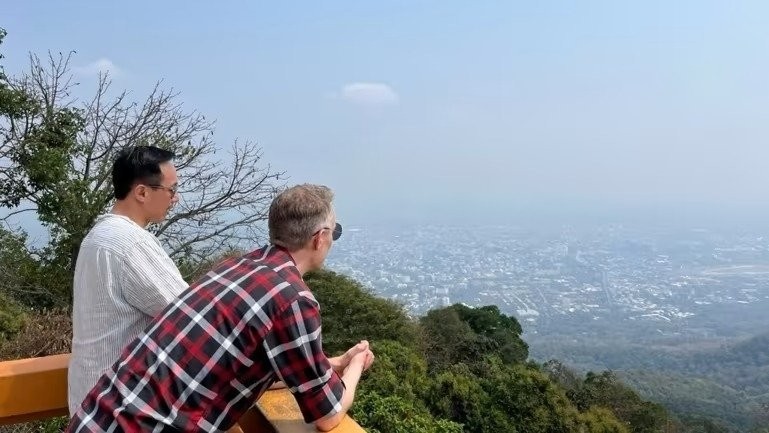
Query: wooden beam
[281, 410]
[36, 389]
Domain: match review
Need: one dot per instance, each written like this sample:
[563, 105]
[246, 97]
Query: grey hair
[297, 213]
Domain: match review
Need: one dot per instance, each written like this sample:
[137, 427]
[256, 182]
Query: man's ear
[140, 193]
[317, 241]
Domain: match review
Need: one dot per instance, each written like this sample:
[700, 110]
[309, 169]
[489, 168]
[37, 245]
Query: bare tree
[56, 154]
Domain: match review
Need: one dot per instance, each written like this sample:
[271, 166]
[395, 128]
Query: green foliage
[702, 425]
[393, 414]
[569, 380]
[43, 166]
[457, 394]
[696, 398]
[27, 278]
[11, 317]
[53, 425]
[605, 390]
[460, 334]
[531, 400]
[398, 370]
[390, 396]
[450, 340]
[602, 420]
[727, 384]
[351, 313]
[44, 153]
[39, 137]
[504, 331]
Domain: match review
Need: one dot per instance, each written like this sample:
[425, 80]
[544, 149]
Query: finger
[354, 349]
[357, 348]
[369, 362]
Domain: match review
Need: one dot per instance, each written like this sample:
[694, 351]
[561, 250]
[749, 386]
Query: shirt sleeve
[295, 351]
[151, 280]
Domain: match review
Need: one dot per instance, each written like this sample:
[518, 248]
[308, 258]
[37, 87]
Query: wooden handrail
[280, 408]
[36, 389]
[33, 388]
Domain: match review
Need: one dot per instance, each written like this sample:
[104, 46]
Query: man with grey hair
[248, 323]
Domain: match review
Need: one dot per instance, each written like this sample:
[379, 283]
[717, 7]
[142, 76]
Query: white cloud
[369, 94]
[102, 65]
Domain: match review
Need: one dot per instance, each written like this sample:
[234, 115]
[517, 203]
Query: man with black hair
[123, 276]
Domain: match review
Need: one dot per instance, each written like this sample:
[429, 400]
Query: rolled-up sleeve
[295, 351]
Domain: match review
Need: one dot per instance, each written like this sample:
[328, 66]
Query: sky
[455, 111]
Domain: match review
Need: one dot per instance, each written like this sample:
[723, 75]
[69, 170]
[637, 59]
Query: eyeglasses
[172, 189]
[335, 235]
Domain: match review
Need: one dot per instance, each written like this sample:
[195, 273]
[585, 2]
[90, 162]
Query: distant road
[738, 270]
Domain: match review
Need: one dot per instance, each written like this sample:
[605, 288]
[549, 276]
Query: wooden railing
[36, 389]
[33, 389]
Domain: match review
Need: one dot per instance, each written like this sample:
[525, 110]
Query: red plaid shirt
[215, 350]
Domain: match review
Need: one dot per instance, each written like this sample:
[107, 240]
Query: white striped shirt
[123, 279]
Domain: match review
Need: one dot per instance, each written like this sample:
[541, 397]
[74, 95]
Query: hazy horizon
[454, 112]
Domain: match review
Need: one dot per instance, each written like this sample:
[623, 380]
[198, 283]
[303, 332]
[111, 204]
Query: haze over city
[454, 111]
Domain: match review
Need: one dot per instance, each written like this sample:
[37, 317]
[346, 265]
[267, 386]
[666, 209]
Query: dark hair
[137, 164]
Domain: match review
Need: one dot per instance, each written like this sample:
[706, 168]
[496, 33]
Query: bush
[394, 414]
[350, 314]
[11, 318]
[44, 333]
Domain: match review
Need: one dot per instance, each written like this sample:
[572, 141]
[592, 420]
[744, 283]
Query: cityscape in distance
[652, 286]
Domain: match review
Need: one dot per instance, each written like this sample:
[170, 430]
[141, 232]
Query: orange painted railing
[32, 389]
[36, 389]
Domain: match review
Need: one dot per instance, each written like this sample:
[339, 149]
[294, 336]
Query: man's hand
[339, 363]
[362, 360]
[369, 360]
[356, 360]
